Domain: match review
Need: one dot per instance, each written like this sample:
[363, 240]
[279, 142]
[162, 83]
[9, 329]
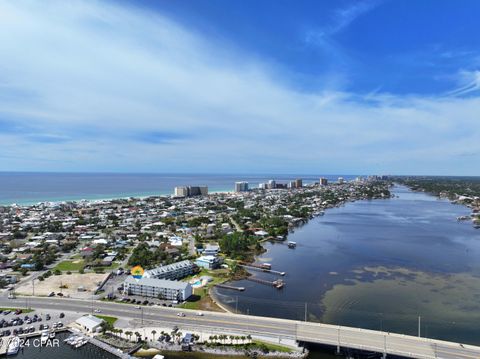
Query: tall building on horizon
[187, 191]
[241, 186]
[323, 181]
[271, 184]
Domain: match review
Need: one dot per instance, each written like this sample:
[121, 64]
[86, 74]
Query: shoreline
[31, 203]
[255, 257]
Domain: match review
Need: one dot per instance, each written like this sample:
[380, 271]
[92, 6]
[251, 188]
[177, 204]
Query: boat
[13, 346]
[158, 356]
[292, 244]
[81, 342]
[70, 339]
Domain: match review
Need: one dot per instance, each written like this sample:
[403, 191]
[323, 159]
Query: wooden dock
[279, 284]
[263, 269]
[226, 286]
[117, 352]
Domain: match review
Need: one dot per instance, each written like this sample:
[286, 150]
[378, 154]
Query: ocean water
[29, 188]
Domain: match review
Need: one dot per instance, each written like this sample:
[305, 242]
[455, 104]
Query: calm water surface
[377, 264]
[31, 188]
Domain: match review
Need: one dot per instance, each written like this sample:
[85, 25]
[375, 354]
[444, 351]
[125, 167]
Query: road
[407, 346]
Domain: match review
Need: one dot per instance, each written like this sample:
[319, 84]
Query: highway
[382, 342]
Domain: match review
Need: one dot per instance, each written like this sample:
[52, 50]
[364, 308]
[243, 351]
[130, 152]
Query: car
[59, 324]
[51, 294]
[200, 314]
[60, 294]
[180, 314]
[47, 317]
[137, 306]
[6, 312]
[18, 311]
[62, 315]
[97, 310]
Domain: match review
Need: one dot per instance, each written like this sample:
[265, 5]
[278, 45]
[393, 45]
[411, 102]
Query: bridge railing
[462, 328]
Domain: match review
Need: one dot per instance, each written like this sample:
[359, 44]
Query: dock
[117, 352]
[279, 284]
[226, 286]
[262, 269]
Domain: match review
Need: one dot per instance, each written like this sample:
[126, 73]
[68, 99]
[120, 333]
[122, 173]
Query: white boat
[158, 356]
[292, 244]
[13, 346]
[81, 343]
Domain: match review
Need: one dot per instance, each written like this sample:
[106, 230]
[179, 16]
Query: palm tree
[138, 335]
[249, 337]
[128, 334]
[153, 333]
[120, 331]
[232, 337]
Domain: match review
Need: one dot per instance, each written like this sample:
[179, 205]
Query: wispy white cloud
[98, 86]
[340, 19]
[469, 83]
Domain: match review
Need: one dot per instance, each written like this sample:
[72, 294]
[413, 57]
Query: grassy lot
[73, 266]
[14, 309]
[200, 300]
[272, 347]
[109, 320]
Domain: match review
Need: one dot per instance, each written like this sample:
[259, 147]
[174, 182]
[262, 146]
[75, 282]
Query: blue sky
[240, 86]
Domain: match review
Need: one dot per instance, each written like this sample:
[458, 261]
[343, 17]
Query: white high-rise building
[271, 184]
[181, 191]
[241, 186]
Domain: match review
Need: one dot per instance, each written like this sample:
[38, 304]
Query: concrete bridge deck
[355, 338]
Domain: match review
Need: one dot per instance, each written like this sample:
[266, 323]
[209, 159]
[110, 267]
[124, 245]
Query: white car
[200, 314]
[137, 306]
[97, 311]
[181, 314]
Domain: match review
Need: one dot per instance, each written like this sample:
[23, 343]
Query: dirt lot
[70, 283]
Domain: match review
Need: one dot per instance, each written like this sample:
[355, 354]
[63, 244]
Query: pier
[226, 286]
[117, 352]
[265, 267]
[276, 283]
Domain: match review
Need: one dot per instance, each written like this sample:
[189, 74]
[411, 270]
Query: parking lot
[19, 322]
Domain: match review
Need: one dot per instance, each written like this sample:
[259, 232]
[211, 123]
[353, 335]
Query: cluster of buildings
[171, 225]
[272, 184]
[163, 282]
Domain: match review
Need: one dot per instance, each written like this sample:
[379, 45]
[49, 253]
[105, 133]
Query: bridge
[229, 323]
